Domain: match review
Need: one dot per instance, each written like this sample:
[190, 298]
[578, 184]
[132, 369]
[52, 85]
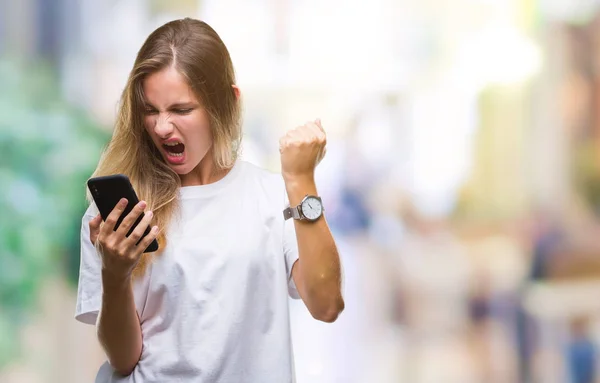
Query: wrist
[112, 281]
[298, 187]
[298, 178]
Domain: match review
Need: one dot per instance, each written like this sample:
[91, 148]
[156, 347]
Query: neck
[205, 173]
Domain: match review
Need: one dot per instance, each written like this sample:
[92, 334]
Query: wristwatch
[310, 209]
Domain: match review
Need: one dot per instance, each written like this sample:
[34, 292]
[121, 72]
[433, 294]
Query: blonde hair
[199, 54]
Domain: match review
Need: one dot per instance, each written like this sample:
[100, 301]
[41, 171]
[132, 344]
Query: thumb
[95, 228]
[95, 222]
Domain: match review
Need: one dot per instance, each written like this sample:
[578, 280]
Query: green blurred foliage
[47, 151]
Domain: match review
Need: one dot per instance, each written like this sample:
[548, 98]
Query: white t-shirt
[213, 306]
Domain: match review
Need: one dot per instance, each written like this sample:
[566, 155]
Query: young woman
[212, 304]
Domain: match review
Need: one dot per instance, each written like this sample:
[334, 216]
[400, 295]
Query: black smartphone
[107, 191]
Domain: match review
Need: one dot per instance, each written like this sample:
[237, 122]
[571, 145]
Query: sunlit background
[462, 178]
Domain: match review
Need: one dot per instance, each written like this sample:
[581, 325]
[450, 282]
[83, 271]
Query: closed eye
[183, 111]
[150, 111]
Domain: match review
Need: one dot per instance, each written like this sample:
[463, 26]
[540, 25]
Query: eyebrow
[188, 104]
[179, 105]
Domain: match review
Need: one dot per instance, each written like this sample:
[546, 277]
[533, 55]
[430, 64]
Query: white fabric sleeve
[89, 290]
[290, 251]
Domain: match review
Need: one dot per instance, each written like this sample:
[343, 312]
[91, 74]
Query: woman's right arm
[118, 326]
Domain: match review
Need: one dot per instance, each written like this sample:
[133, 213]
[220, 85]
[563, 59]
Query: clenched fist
[302, 149]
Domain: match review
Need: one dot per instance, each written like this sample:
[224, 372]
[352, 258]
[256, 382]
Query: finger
[300, 128]
[293, 132]
[147, 240]
[319, 124]
[317, 133]
[283, 141]
[291, 137]
[95, 222]
[94, 225]
[311, 130]
[139, 230]
[318, 127]
[314, 129]
[113, 217]
[133, 215]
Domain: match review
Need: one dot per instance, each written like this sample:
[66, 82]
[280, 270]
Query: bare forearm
[119, 330]
[319, 264]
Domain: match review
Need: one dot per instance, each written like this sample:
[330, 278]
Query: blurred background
[462, 179]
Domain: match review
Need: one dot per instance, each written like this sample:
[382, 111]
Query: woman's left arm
[317, 273]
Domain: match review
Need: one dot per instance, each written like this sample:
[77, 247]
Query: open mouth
[174, 149]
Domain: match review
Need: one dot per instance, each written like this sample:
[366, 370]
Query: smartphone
[107, 191]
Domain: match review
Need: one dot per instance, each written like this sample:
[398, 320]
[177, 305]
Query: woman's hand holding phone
[120, 253]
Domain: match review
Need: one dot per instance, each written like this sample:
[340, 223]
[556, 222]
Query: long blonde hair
[199, 54]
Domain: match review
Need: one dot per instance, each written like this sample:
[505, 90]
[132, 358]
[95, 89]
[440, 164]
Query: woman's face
[176, 121]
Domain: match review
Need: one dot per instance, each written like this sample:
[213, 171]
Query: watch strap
[292, 212]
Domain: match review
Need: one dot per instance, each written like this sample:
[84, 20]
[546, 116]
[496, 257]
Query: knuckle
[111, 245]
[121, 252]
[110, 248]
[126, 223]
[135, 236]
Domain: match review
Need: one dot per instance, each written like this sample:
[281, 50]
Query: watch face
[312, 208]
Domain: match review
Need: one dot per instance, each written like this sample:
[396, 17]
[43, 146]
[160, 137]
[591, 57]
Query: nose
[163, 126]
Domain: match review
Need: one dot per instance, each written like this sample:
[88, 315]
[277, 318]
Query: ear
[236, 90]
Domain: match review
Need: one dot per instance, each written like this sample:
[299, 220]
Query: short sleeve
[89, 289]
[290, 252]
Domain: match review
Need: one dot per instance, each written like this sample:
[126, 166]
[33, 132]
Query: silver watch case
[297, 212]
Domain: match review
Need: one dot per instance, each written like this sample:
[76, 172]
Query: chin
[182, 170]
[187, 166]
